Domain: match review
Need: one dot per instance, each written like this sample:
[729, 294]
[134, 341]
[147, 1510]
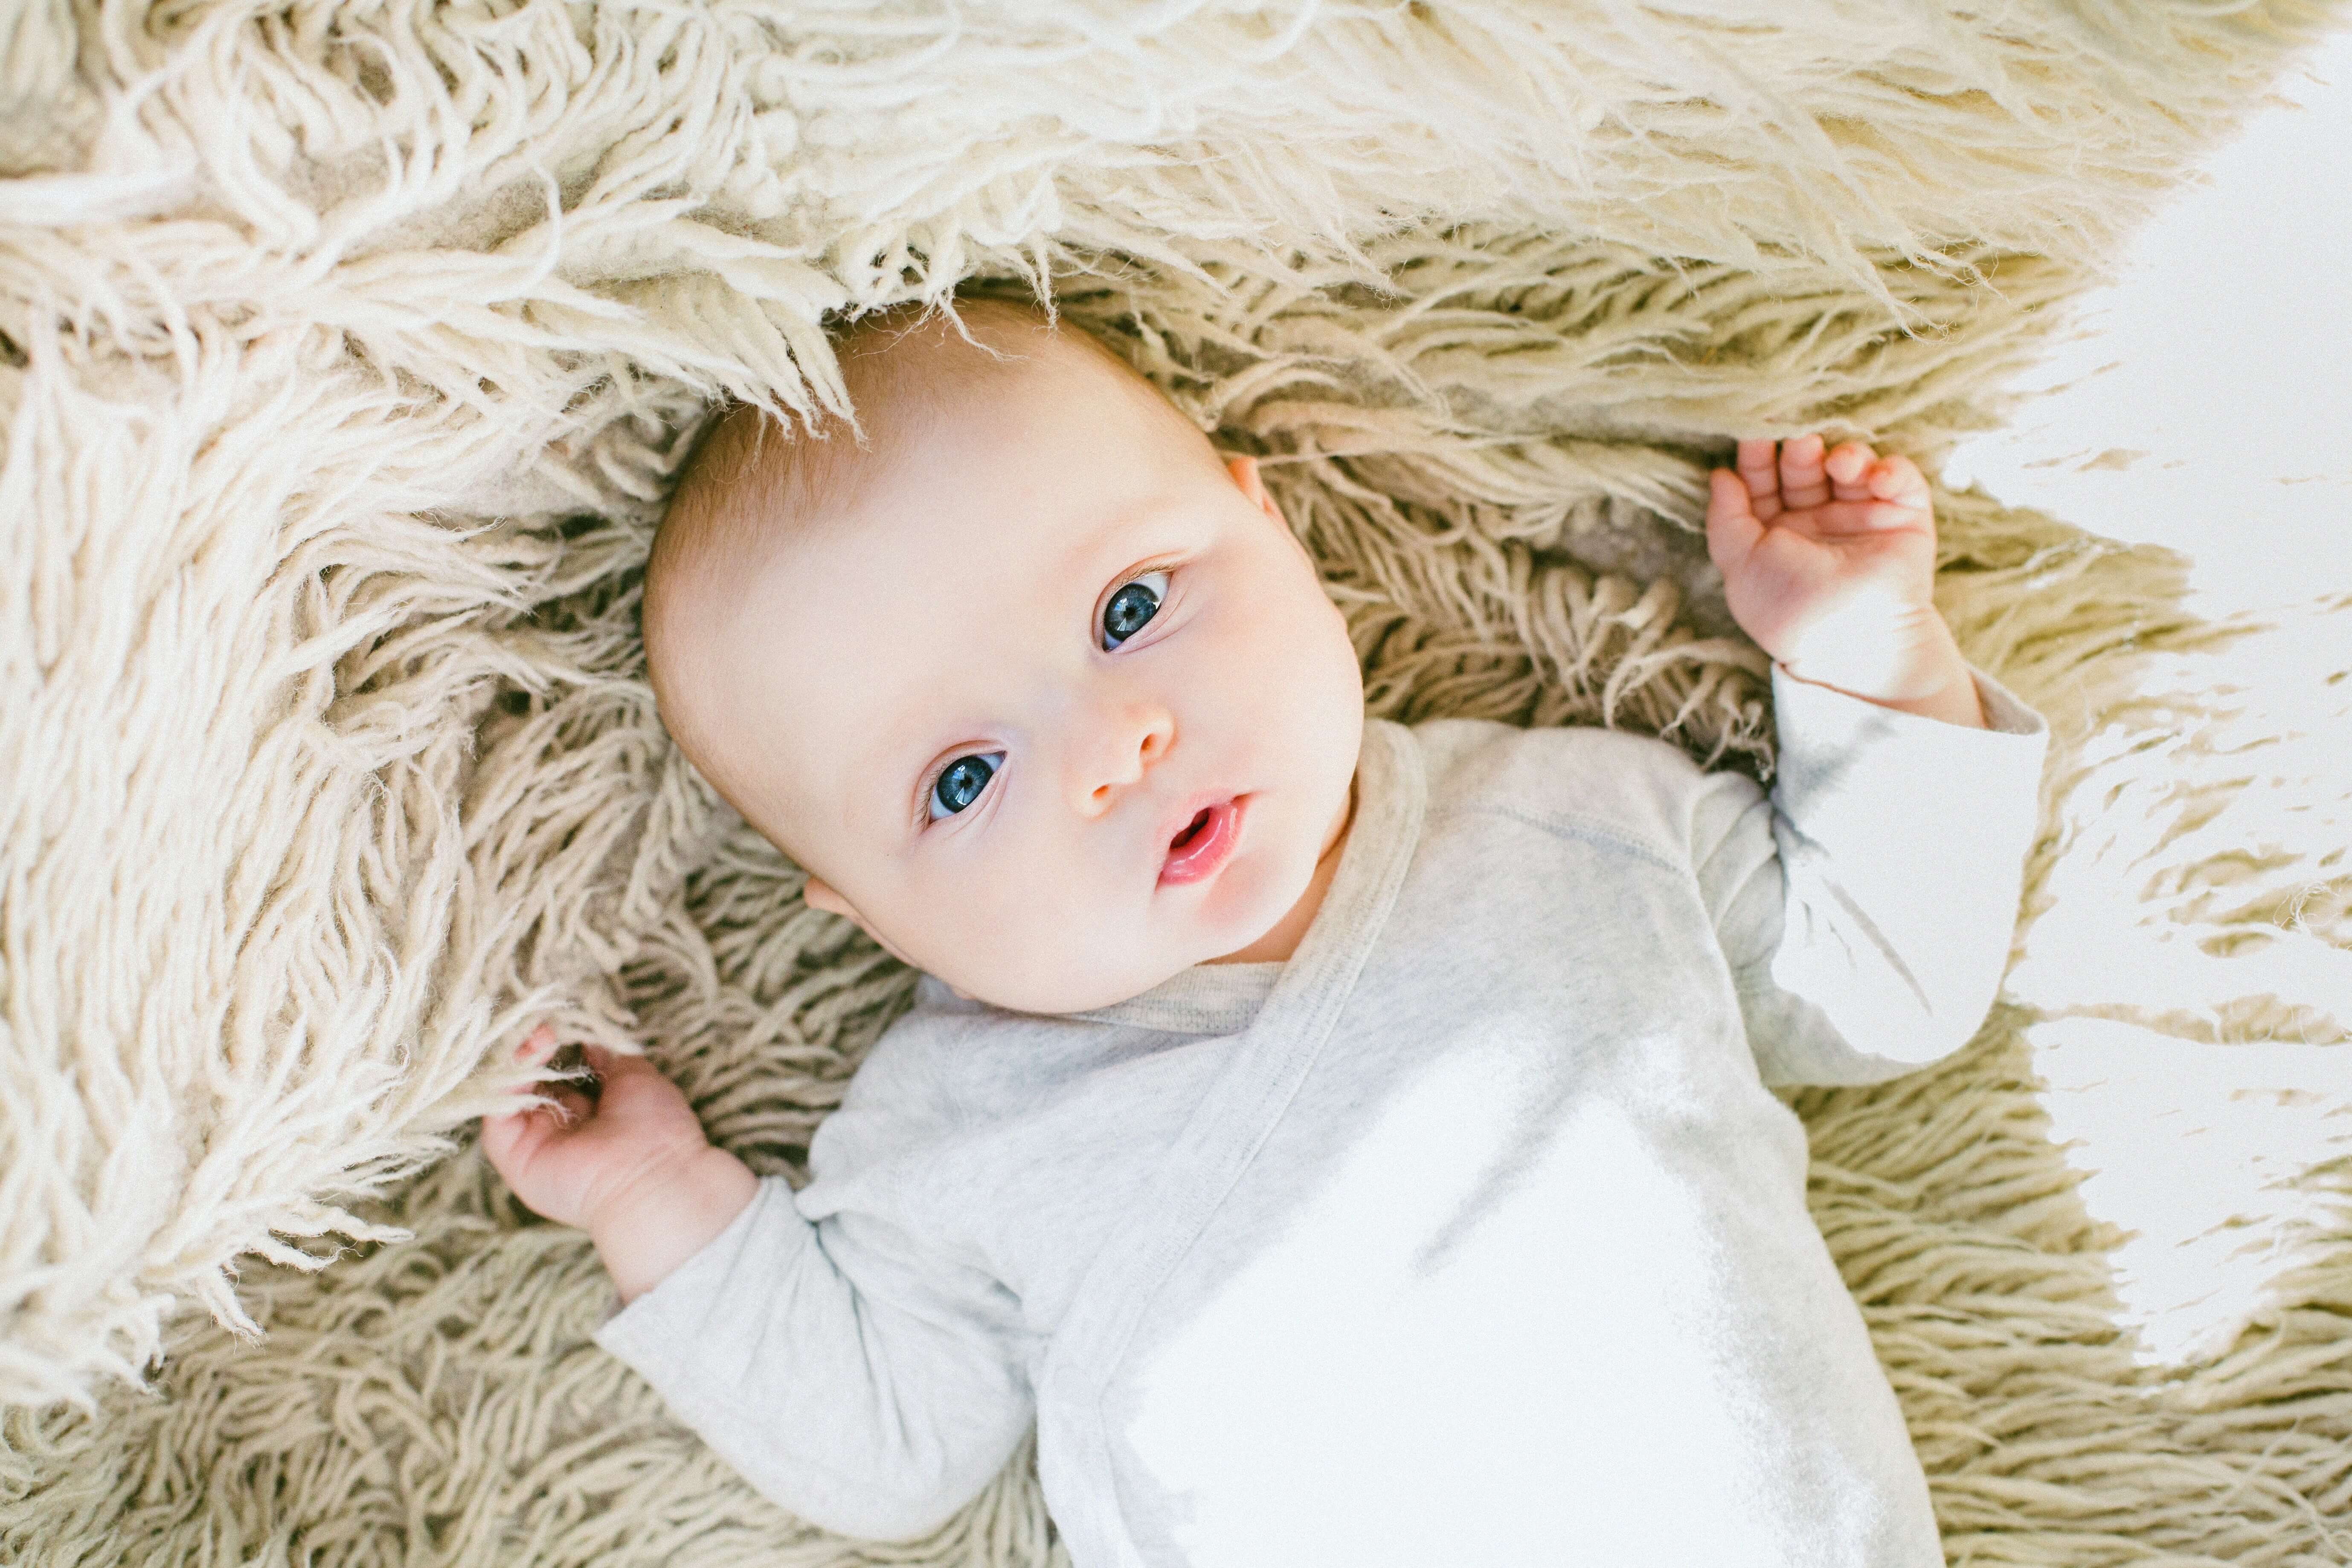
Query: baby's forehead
[773, 509]
[908, 392]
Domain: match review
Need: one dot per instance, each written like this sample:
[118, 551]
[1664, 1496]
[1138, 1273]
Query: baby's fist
[631, 1168]
[583, 1158]
[1829, 563]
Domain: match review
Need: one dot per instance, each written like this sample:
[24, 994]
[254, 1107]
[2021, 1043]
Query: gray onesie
[1470, 1234]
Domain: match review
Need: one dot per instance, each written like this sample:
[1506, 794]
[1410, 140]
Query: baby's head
[978, 675]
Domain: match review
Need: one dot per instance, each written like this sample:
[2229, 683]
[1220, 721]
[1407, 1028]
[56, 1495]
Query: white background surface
[2210, 400]
[2208, 407]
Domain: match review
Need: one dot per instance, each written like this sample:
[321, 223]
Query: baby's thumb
[509, 1138]
[1732, 529]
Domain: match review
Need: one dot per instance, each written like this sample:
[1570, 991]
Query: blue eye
[1136, 603]
[961, 782]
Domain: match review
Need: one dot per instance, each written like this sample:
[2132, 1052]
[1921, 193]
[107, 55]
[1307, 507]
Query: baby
[1348, 1143]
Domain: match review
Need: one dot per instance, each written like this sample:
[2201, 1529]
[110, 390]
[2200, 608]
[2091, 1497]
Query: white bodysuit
[1471, 1235]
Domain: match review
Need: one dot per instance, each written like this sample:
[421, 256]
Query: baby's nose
[1129, 746]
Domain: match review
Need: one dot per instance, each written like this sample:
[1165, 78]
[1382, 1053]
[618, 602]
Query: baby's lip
[1208, 849]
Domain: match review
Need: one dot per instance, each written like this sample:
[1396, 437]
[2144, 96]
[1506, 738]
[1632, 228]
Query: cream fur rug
[348, 345]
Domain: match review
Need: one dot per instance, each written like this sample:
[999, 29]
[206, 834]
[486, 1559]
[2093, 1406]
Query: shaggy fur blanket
[346, 347]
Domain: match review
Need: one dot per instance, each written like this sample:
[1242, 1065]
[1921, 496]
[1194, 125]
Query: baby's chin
[1075, 993]
[1098, 987]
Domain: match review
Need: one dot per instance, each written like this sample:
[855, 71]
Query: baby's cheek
[1024, 923]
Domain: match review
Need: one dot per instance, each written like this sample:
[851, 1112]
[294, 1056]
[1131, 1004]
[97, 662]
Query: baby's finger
[1849, 470]
[626, 1078]
[570, 1108]
[535, 1048]
[511, 1138]
[569, 1114]
[1759, 471]
[610, 1065]
[1803, 481]
[1898, 479]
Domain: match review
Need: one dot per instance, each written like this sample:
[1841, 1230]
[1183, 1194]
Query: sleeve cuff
[1844, 762]
[1821, 706]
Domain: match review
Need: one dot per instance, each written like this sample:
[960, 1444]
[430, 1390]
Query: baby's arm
[631, 1167]
[1867, 905]
[866, 1379]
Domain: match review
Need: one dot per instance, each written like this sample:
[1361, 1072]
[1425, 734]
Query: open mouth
[1204, 844]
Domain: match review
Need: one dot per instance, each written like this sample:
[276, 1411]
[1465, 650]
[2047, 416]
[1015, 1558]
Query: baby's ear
[819, 895]
[1244, 469]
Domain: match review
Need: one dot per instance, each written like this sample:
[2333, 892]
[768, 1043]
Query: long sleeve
[1867, 904]
[865, 1380]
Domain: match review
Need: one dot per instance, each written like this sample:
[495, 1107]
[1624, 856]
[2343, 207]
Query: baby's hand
[1830, 565]
[631, 1167]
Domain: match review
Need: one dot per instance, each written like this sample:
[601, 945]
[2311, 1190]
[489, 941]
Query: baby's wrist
[1947, 691]
[667, 1215]
[1915, 667]
[1954, 702]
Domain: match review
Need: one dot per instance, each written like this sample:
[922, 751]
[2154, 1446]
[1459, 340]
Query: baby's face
[1060, 709]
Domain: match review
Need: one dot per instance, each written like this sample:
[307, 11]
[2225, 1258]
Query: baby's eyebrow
[1092, 553]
